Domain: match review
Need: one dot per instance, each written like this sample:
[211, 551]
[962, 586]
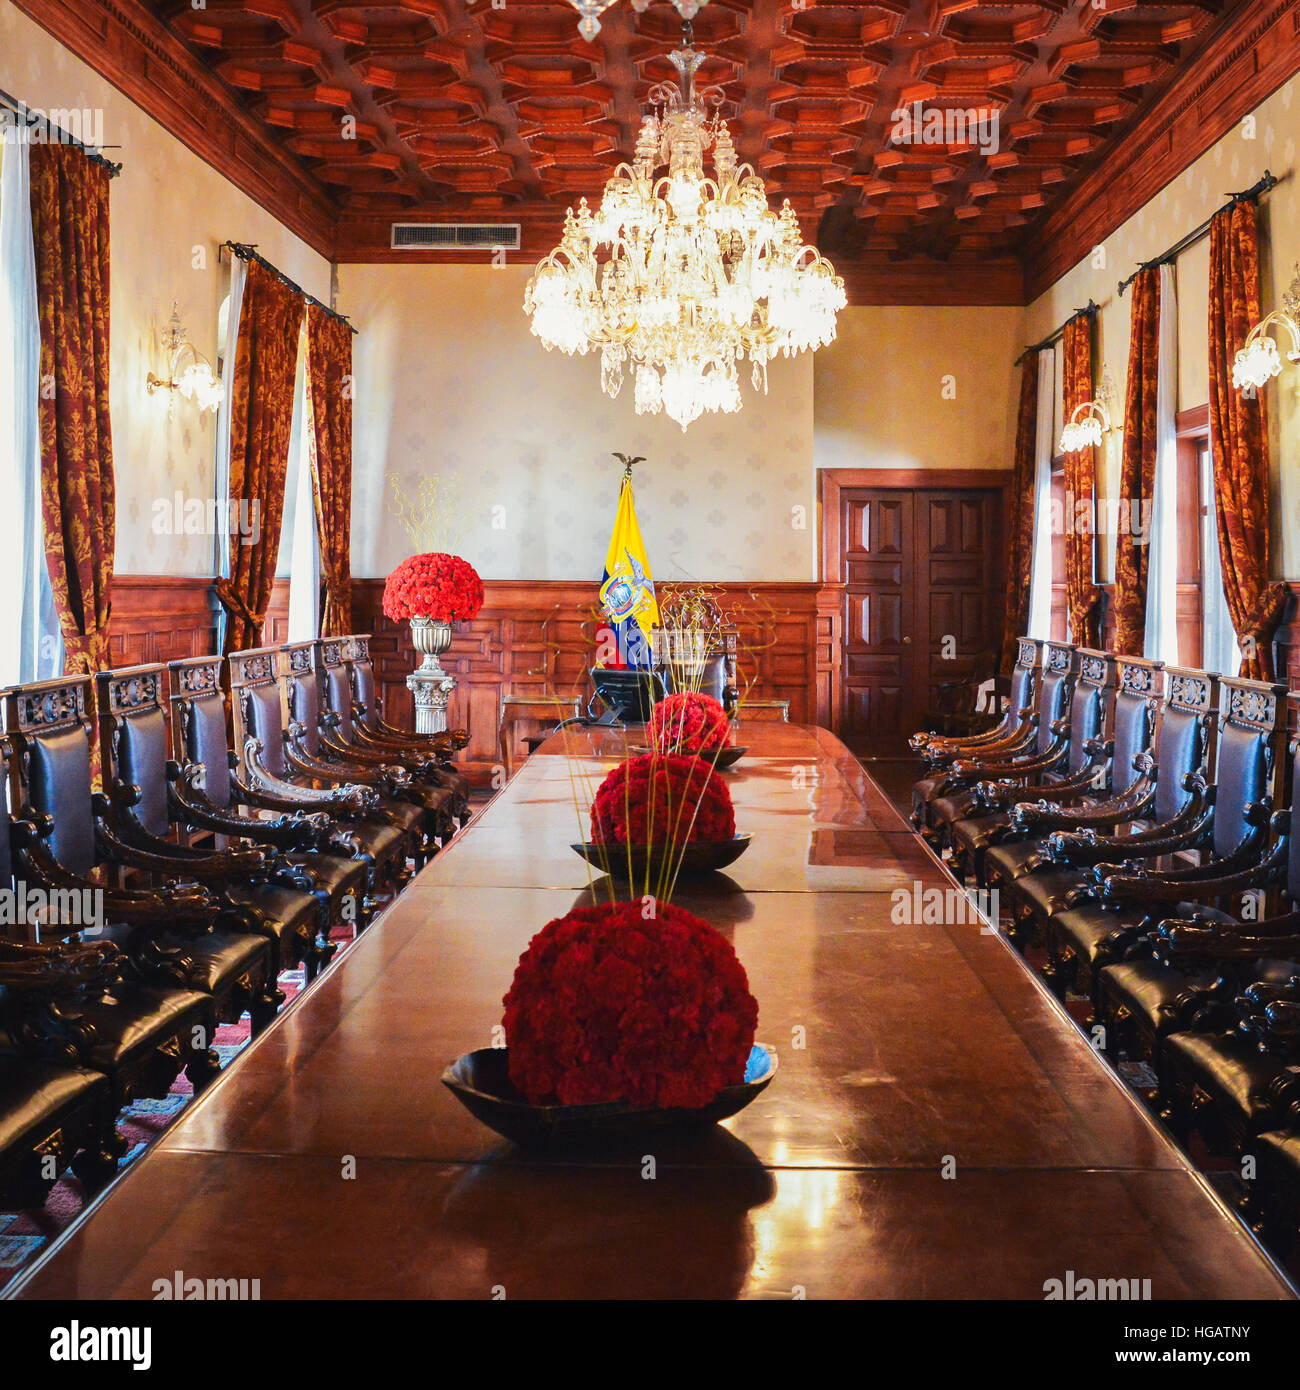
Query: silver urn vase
[429, 684]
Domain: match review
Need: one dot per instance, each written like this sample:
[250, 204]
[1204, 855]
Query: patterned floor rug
[24, 1234]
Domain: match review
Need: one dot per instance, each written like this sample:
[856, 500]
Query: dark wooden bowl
[481, 1082]
[719, 759]
[653, 862]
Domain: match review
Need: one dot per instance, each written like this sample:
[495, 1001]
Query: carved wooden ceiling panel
[498, 109]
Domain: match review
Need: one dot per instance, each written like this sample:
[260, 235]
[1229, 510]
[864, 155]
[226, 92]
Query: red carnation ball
[442, 587]
[609, 1006]
[662, 799]
[689, 723]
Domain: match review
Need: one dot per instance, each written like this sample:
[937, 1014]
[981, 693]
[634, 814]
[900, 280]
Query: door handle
[907, 641]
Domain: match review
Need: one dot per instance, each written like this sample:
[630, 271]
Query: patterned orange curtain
[1138, 469]
[1239, 443]
[261, 414]
[329, 374]
[1020, 522]
[1082, 595]
[70, 227]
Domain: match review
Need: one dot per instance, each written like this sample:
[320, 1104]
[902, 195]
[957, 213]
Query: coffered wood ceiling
[486, 110]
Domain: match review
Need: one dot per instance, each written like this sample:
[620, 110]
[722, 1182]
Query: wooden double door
[923, 569]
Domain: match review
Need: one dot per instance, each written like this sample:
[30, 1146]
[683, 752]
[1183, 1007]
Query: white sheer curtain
[1161, 642]
[1040, 581]
[303, 557]
[1220, 651]
[234, 308]
[31, 643]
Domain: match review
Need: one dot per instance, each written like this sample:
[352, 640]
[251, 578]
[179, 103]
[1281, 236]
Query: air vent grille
[455, 236]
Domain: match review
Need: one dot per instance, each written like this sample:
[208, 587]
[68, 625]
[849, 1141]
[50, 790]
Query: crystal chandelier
[680, 275]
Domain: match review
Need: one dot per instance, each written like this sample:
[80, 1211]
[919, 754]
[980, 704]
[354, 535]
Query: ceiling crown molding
[1253, 55]
[130, 47]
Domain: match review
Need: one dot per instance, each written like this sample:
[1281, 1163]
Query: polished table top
[937, 1127]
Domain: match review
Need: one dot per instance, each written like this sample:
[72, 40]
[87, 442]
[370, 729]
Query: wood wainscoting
[539, 637]
[531, 637]
[159, 617]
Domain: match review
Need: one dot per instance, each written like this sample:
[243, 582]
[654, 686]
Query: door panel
[878, 525]
[923, 569]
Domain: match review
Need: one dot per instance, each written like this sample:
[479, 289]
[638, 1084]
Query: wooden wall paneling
[275, 626]
[540, 637]
[160, 618]
[1286, 645]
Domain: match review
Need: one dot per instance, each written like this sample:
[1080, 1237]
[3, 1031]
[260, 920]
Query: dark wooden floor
[937, 1127]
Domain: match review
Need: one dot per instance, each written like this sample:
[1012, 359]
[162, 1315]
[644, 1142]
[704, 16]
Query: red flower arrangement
[607, 1006]
[689, 723]
[434, 585]
[660, 798]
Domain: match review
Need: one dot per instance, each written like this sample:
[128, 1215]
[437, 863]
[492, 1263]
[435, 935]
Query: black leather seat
[140, 1034]
[309, 889]
[1085, 927]
[394, 828]
[47, 1111]
[429, 787]
[962, 803]
[1131, 725]
[1220, 1084]
[1013, 734]
[1277, 1185]
[1072, 763]
[1144, 996]
[273, 781]
[232, 961]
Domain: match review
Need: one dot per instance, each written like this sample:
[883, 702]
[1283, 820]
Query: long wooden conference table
[937, 1128]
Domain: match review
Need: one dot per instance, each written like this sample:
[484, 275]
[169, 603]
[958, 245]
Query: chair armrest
[1191, 822]
[61, 970]
[190, 806]
[239, 862]
[340, 799]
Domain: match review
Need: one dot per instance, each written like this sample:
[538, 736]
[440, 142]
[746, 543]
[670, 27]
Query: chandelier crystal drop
[682, 275]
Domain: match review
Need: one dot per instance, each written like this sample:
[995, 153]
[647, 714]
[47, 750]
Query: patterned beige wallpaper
[170, 212]
[453, 384]
[1266, 140]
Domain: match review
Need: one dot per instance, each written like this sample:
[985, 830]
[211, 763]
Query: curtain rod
[247, 252]
[1057, 334]
[1251, 195]
[61, 137]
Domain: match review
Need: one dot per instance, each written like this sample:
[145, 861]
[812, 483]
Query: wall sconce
[1259, 361]
[195, 380]
[1090, 422]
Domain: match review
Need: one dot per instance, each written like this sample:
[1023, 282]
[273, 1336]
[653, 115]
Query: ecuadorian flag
[627, 593]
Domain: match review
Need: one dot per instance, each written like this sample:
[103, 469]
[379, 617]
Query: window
[31, 642]
[299, 557]
[1219, 650]
[1205, 634]
[1040, 574]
